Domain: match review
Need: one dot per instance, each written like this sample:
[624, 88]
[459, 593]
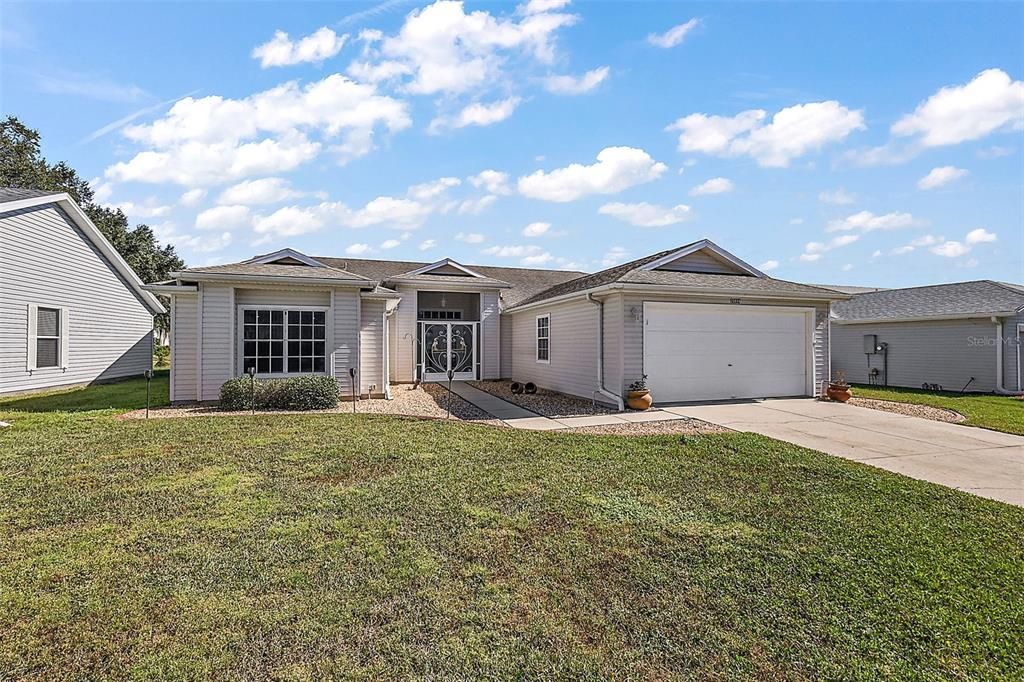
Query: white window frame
[328, 340]
[62, 338]
[537, 337]
[442, 318]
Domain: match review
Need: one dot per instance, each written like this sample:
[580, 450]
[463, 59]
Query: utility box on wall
[871, 343]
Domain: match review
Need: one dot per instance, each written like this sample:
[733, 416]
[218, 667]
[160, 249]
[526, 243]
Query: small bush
[161, 357]
[295, 393]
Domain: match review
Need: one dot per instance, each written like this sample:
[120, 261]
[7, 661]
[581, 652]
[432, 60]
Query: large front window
[284, 341]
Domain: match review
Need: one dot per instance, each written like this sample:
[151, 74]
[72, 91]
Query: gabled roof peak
[286, 255]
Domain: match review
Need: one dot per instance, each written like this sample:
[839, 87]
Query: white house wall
[217, 339]
[490, 336]
[184, 347]
[946, 352]
[46, 260]
[371, 348]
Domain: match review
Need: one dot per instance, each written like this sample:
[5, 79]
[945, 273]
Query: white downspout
[600, 354]
[999, 360]
[388, 312]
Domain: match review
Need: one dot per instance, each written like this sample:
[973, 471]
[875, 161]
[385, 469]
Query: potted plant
[638, 397]
[838, 389]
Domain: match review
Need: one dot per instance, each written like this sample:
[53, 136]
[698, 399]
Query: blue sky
[857, 143]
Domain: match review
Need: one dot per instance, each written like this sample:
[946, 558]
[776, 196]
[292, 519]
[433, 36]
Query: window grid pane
[46, 352]
[284, 341]
[47, 322]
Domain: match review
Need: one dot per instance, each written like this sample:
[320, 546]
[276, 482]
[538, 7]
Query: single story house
[698, 321]
[71, 310]
[965, 335]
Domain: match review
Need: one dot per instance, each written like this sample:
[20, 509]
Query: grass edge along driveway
[378, 547]
[986, 410]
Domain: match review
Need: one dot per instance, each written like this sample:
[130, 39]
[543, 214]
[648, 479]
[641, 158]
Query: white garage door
[721, 352]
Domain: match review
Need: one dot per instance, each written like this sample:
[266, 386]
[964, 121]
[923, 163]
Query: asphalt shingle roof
[274, 270]
[525, 281]
[982, 297]
[633, 272]
[18, 193]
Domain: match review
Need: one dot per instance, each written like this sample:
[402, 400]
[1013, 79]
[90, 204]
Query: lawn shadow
[119, 394]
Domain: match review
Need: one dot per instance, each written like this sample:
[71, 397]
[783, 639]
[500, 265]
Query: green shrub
[295, 393]
[161, 357]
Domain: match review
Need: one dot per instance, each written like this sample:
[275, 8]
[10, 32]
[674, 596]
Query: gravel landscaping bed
[426, 401]
[684, 427]
[543, 402]
[925, 411]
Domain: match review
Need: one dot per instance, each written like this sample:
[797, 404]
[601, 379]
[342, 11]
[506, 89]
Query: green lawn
[998, 412]
[303, 547]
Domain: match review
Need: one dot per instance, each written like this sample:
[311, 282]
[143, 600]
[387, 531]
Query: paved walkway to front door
[521, 418]
[983, 462]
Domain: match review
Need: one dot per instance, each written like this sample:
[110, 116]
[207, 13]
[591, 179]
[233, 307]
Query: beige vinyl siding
[701, 261]
[297, 296]
[403, 338]
[346, 336]
[632, 337]
[573, 365]
[184, 344]
[613, 343]
[217, 338]
[490, 336]
[371, 348]
[46, 260]
[944, 352]
[1013, 353]
[507, 325]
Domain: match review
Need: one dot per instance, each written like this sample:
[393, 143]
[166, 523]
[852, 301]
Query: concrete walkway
[983, 462]
[521, 418]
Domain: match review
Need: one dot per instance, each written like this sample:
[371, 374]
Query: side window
[47, 337]
[543, 338]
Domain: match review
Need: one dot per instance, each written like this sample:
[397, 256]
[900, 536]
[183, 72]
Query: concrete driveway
[979, 461]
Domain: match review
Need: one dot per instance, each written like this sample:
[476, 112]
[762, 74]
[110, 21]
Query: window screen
[47, 337]
[284, 341]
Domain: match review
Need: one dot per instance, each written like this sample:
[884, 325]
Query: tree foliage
[22, 165]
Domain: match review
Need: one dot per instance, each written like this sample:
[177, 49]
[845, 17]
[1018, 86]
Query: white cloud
[814, 250]
[995, 152]
[955, 249]
[539, 6]
[614, 256]
[512, 251]
[839, 197]
[792, 132]
[392, 212]
[768, 266]
[192, 197]
[810, 257]
[168, 233]
[262, 191]
[674, 35]
[476, 206]
[101, 191]
[992, 101]
[223, 218]
[476, 114]
[796, 221]
[616, 169]
[901, 250]
[866, 221]
[495, 182]
[316, 47]
[925, 240]
[448, 51]
[214, 139]
[573, 85]
[427, 244]
[943, 175]
[712, 186]
[980, 236]
[847, 267]
[150, 208]
[390, 244]
[357, 249]
[537, 259]
[536, 229]
[646, 215]
[433, 189]
[470, 237]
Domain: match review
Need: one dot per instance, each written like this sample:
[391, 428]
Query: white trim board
[699, 246]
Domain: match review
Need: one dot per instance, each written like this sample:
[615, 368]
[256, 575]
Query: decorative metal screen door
[448, 345]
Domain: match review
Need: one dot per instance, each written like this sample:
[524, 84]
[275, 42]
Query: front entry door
[448, 346]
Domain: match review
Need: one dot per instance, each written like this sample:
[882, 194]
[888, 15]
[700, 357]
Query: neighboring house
[701, 323]
[959, 335]
[72, 310]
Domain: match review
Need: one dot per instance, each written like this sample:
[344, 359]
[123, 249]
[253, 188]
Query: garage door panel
[694, 352]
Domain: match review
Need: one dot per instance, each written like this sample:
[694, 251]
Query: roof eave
[927, 318]
[471, 284]
[269, 279]
[170, 289]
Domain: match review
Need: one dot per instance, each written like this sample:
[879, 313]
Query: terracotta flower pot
[839, 393]
[639, 400]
